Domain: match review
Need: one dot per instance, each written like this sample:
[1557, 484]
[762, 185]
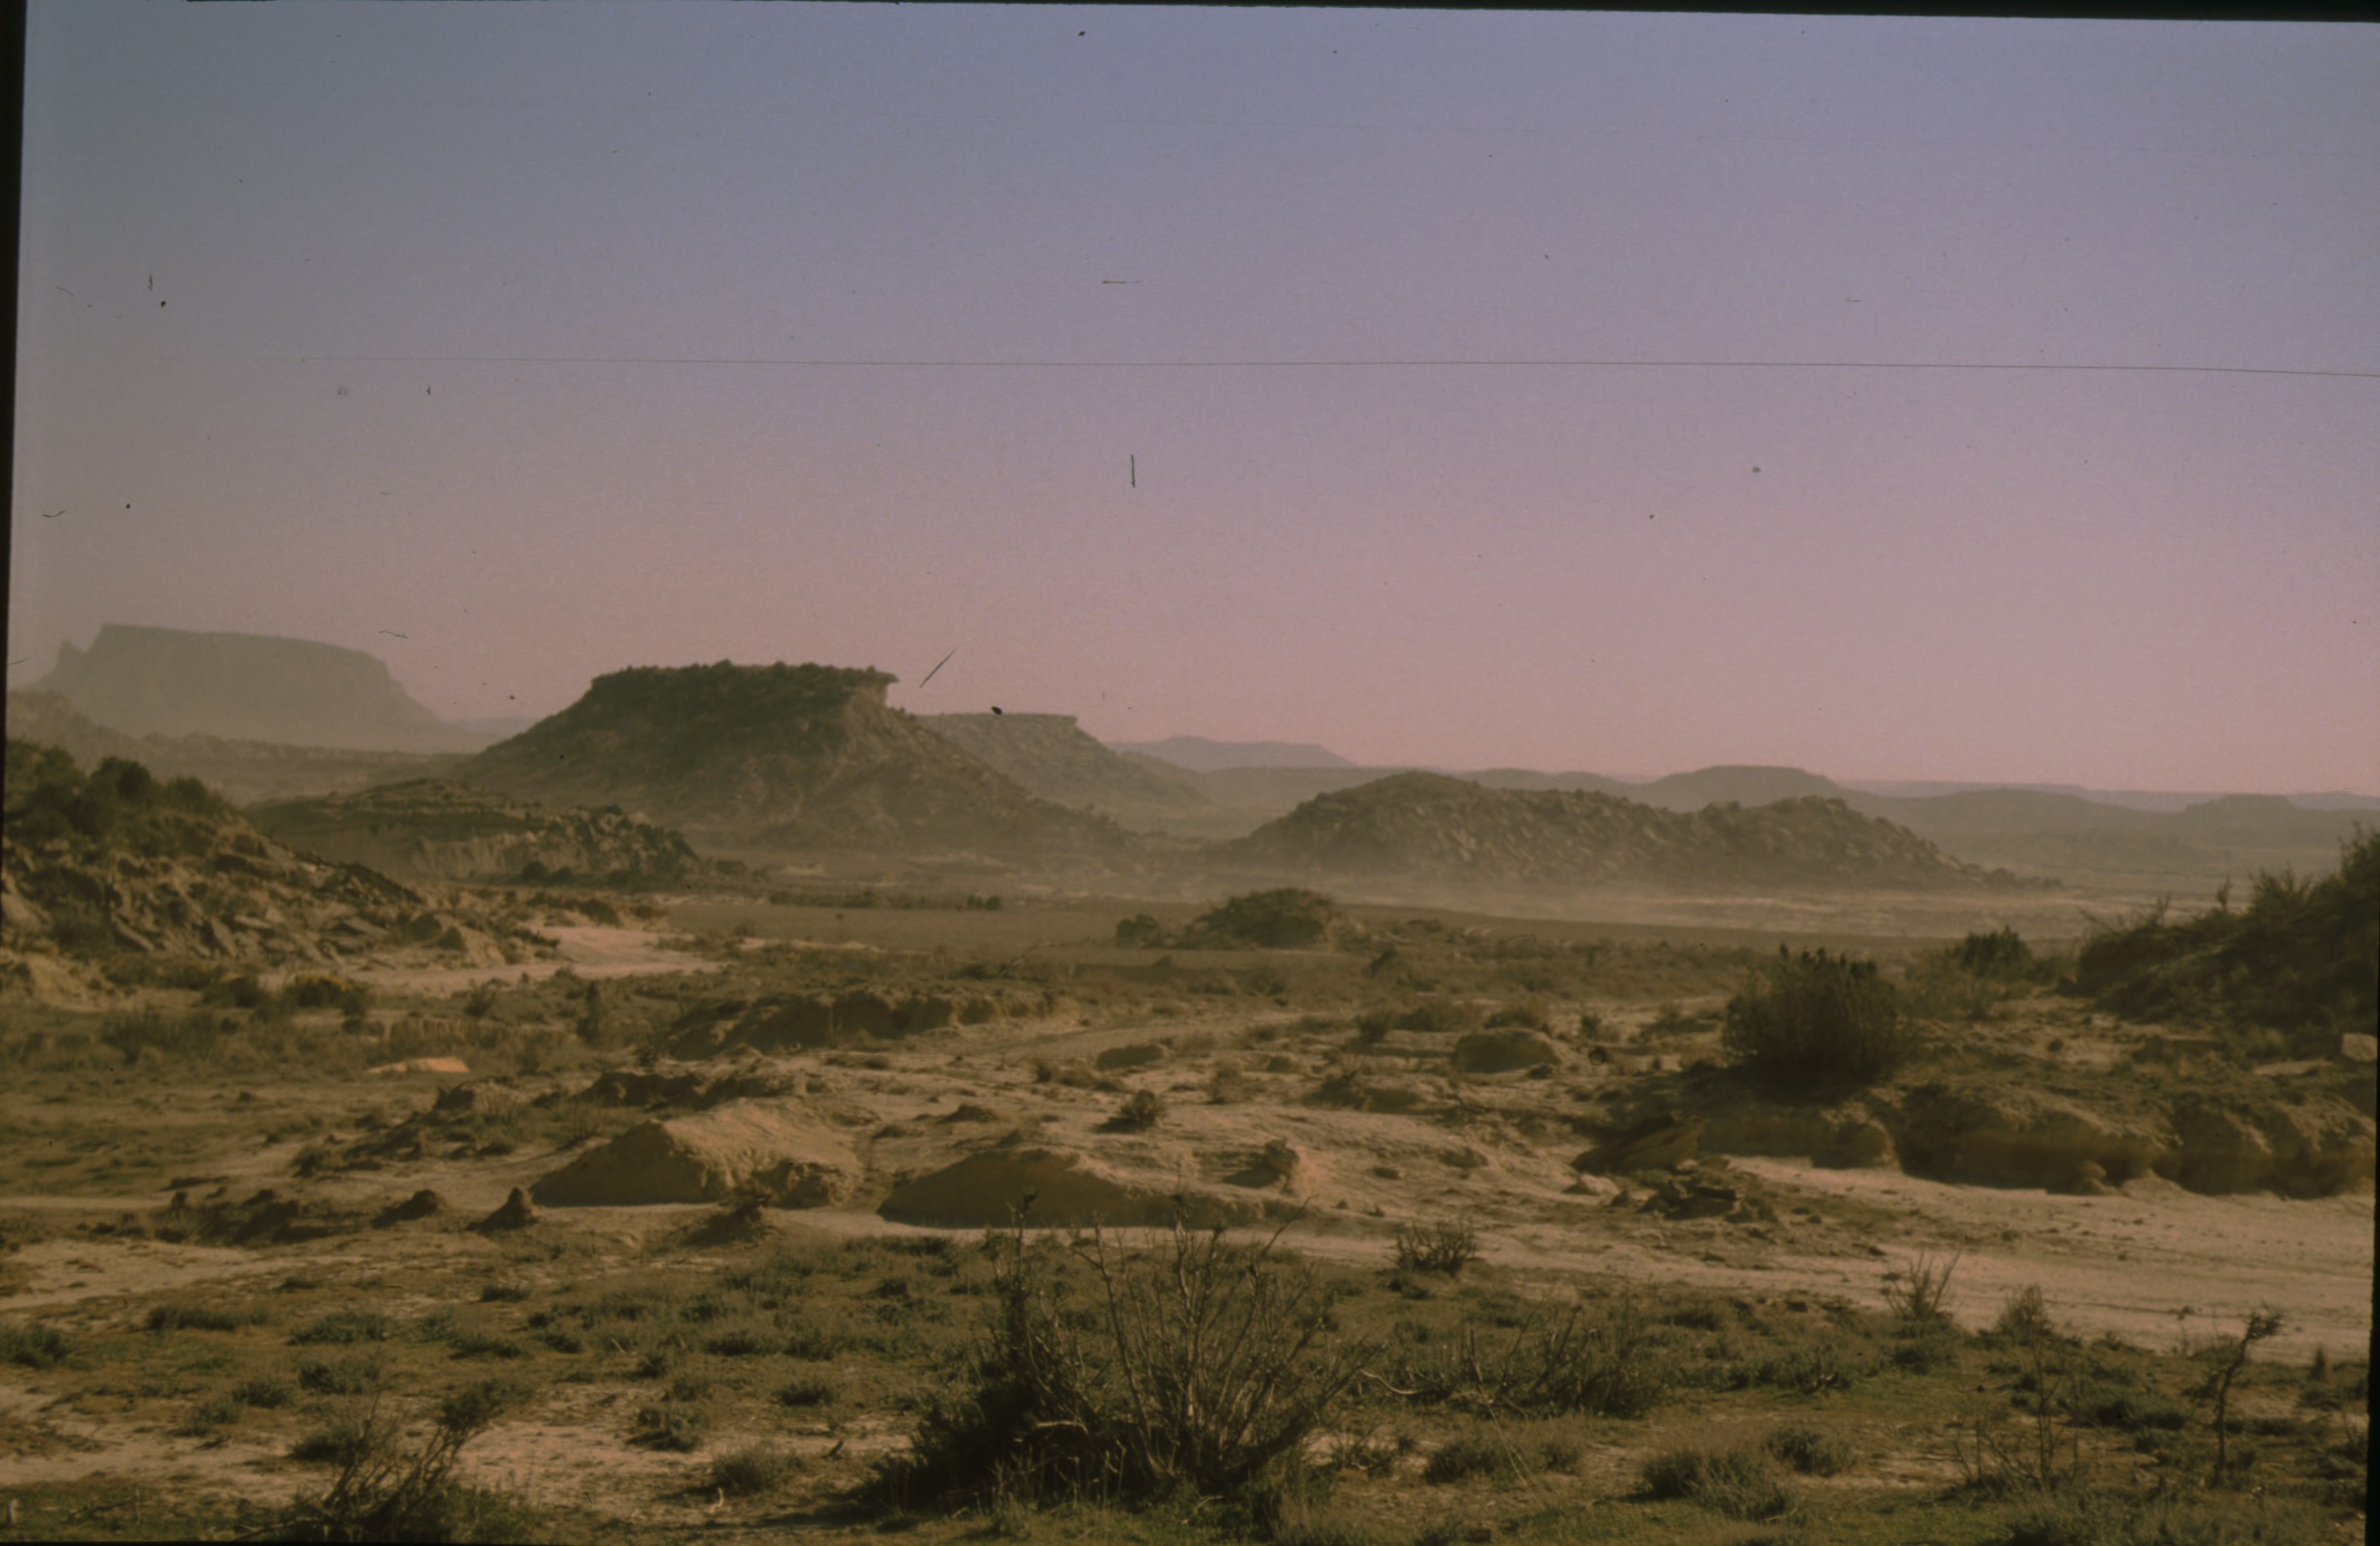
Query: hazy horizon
[1451, 389]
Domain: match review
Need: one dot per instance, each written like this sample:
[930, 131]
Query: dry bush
[1446, 1248]
[1195, 1362]
[1918, 1292]
[386, 1490]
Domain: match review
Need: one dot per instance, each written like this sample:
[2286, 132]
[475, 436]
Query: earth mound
[801, 757]
[1429, 826]
[429, 830]
[1052, 1187]
[116, 861]
[252, 687]
[781, 1152]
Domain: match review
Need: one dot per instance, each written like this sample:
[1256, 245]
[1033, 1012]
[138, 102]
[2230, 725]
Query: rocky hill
[242, 772]
[793, 757]
[1050, 758]
[429, 830]
[295, 691]
[1432, 827]
[115, 863]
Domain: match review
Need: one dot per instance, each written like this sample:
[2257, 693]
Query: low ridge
[1431, 826]
[429, 830]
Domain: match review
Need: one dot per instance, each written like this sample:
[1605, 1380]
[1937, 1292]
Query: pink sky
[475, 325]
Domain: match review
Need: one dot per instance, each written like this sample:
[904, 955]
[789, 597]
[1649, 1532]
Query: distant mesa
[790, 758]
[249, 687]
[1202, 755]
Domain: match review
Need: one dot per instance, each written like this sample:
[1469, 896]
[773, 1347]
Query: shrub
[1468, 1455]
[1739, 1482]
[753, 1473]
[1285, 919]
[33, 1347]
[1141, 931]
[1141, 1111]
[671, 1426]
[193, 1317]
[344, 1328]
[1814, 1452]
[1815, 1019]
[1919, 1292]
[1446, 1248]
[387, 1491]
[1197, 1363]
[2001, 956]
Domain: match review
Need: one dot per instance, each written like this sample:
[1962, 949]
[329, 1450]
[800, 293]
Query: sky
[1463, 388]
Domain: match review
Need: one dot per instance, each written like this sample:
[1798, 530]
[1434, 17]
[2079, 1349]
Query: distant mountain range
[812, 758]
[247, 687]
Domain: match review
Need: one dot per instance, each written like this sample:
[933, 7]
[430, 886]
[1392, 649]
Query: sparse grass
[1736, 1480]
[34, 1345]
[1813, 1451]
[754, 1472]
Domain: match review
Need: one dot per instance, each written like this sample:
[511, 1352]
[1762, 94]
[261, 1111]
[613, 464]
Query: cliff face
[247, 686]
[787, 757]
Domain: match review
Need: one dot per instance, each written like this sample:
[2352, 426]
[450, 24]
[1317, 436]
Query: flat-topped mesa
[252, 687]
[789, 756]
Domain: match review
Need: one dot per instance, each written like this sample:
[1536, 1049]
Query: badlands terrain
[734, 1106]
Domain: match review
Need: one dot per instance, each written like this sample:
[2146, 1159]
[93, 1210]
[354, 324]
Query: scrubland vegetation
[1482, 1228]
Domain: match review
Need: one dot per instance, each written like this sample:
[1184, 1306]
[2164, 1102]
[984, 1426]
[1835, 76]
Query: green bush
[1285, 919]
[2302, 955]
[2001, 956]
[1815, 1021]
